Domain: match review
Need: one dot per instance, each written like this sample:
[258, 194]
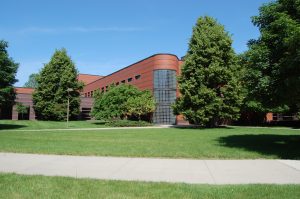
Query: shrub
[127, 123]
[122, 102]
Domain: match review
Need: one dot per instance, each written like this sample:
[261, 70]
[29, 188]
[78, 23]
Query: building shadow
[282, 146]
[11, 126]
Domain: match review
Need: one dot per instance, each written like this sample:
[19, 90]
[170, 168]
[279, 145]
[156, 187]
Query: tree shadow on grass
[283, 146]
[11, 126]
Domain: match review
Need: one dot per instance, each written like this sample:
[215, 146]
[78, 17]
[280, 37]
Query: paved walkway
[155, 170]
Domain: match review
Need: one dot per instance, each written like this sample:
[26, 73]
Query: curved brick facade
[141, 73]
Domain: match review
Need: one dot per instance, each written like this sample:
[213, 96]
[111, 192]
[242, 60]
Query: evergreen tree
[51, 95]
[210, 91]
[32, 83]
[273, 60]
[8, 70]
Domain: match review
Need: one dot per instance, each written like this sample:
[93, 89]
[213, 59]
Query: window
[92, 92]
[129, 79]
[123, 81]
[102, 89]
[117, 83]
[88, 94]
[137, 77]
[106, 87]
[165, 94]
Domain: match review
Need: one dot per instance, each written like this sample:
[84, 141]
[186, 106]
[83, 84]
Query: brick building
[156, 73]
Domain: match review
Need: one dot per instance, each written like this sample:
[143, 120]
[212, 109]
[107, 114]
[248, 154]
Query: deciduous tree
[141, 104]
[32, 82]
[210, 90]
[123, 101]
[273, 60]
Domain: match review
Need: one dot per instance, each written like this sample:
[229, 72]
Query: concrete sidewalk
[155, 170]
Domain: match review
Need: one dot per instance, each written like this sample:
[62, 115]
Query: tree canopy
[8, 70]
[210, 90]
[32, 81]
[51, 95]
[272, 63]
[123, 101]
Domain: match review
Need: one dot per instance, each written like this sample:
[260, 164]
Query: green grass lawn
[219, 143]
[20, 186]
[30, 124]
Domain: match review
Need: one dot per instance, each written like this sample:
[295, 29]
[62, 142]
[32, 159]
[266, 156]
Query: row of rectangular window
[90, 94]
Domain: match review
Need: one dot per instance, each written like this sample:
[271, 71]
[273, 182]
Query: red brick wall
[144, 68]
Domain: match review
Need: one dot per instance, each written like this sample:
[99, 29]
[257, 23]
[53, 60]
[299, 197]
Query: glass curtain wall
[165, 96]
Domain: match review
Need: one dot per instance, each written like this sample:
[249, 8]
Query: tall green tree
[210, 90]
[32, 82]
[8, 70]
[273, 60]
[51, 95]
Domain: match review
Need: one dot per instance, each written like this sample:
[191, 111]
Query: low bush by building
[123, 102]
[127, 123]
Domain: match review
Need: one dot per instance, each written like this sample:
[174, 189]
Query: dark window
[117, 83]
[106, 87]
[137, 77]
[85, 113]
[123, 81]
[92, 92]
[129, 79]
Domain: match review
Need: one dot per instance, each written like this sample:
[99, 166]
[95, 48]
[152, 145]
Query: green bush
[123, 102]
[127, 123]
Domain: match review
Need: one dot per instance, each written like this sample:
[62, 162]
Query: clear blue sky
[102, 36]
